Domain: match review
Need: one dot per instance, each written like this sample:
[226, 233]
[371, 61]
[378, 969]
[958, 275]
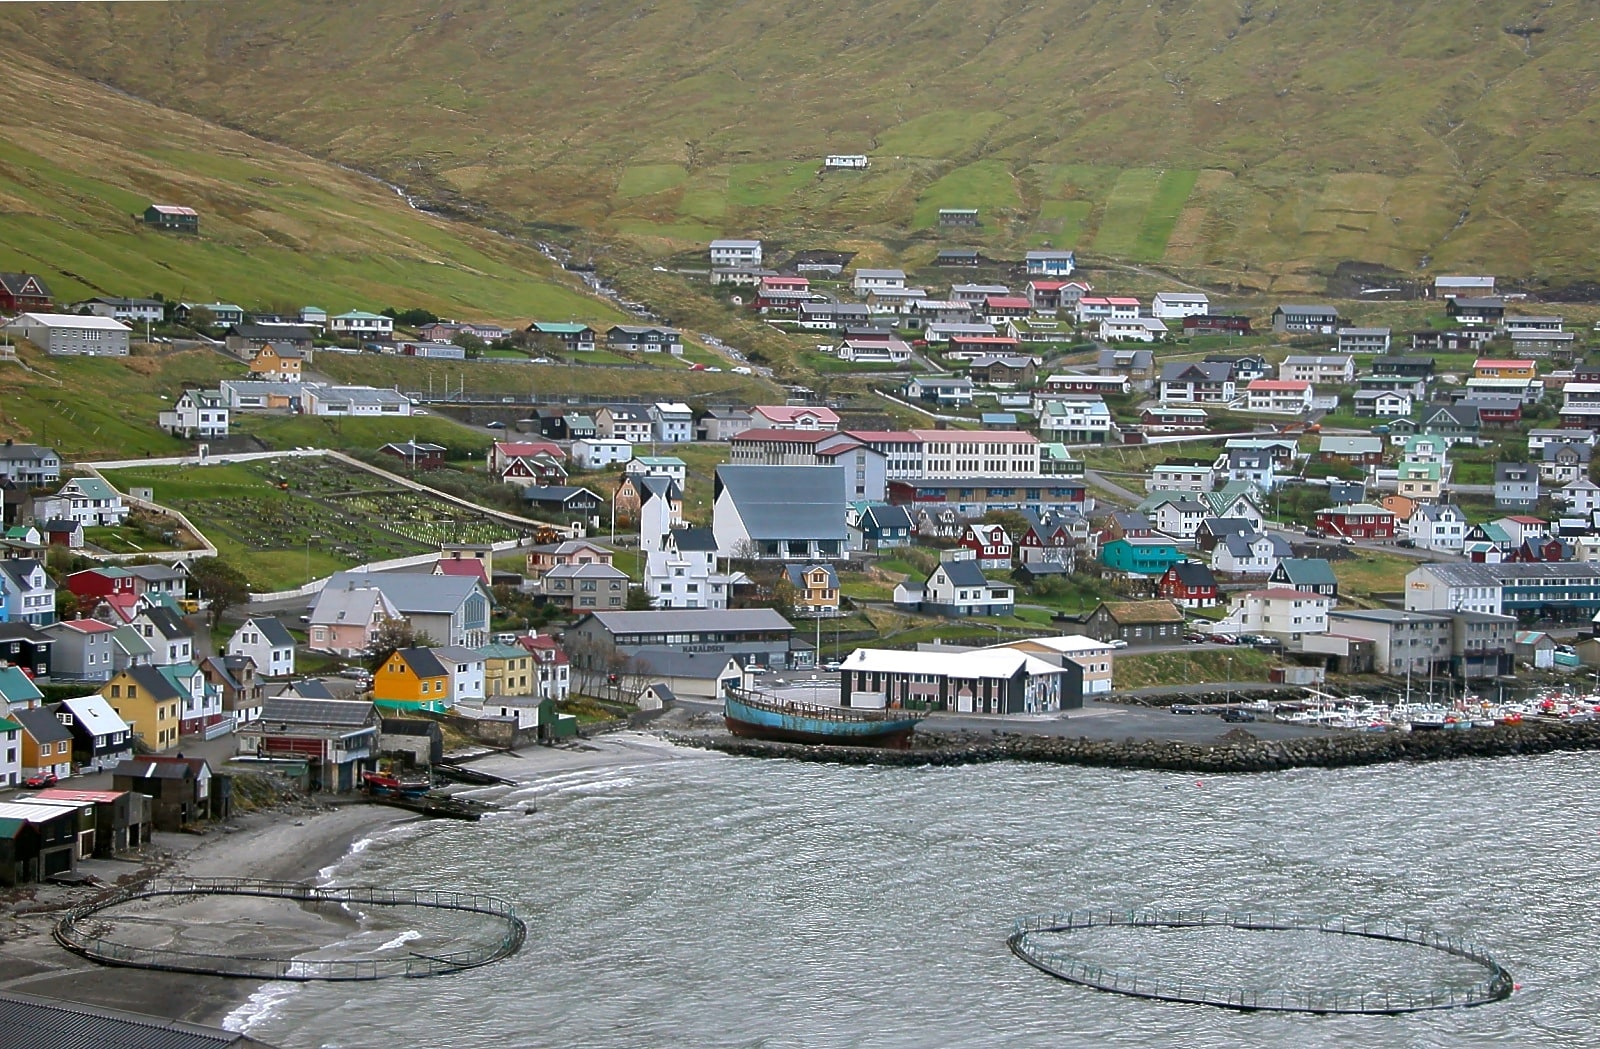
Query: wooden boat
[389, 785]
[756, 716]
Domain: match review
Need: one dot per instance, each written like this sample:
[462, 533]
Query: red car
[40, 780]
[1223, 639]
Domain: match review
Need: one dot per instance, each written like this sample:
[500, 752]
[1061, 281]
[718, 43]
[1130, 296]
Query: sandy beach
[295, 843]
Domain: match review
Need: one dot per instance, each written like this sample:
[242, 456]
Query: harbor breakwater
[1237, 750]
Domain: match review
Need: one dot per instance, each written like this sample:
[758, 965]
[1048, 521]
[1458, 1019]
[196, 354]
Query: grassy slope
[279, 229]
[1244, 145]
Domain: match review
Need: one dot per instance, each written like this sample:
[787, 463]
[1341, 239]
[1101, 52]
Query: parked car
[1117, 643]
[1235, 714]
[1407, 543]
[1315, 533]
[1184, 708]
[495, 425]
[1195, 639]
[40, 780]
[1224, 639]
[1347, 540]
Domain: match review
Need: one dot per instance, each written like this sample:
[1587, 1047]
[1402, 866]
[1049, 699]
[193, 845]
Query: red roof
[68, 794]
[525, 449]
[1007, 302]
[1047, 285]
[88, 626]
[798, 436]
[462, 566]
[1123, 301]
[173, 209]
[1486, 362]
[982, 436]
[789, 413]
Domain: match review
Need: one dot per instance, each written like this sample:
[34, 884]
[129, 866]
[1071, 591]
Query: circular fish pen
[1479, 979]
[281, 930]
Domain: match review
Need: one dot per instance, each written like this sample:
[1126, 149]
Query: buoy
[1198, 783]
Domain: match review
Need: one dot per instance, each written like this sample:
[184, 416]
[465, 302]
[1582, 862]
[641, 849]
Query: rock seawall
[1235, 751]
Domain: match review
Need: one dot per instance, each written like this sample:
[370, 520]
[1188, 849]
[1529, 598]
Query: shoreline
[291, 843]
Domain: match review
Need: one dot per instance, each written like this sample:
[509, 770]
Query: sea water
[718, 901]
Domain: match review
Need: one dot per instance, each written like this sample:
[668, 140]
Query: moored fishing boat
[385, 784]
[756, 716]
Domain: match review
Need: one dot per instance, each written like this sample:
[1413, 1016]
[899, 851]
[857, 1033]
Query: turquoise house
[1151, 556]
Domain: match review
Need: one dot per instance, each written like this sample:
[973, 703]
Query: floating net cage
[1411, 967]
[159, 925]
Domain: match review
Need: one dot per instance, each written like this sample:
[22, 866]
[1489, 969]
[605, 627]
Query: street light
[309, 538]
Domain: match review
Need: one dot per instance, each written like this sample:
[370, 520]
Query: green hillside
[1240, 143]
[279, 229]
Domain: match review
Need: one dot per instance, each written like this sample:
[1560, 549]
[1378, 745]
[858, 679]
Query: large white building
[736, 253]
[683, 572]
[63, 334]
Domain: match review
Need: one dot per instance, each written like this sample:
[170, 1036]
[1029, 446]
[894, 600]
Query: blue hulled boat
[756, 716]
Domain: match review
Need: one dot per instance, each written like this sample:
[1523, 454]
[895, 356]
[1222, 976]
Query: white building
[353, 401]
[1249, 553]
[89, 501]
[266, 641]
[197, 413]
[467, 672]
[1181, 479]
[1438, 526]
[1278, 396]
[844, 162]
[597, 453]
[672, 422]
[1173, 305]
[1338, 369]
[1280, 611]
[736, 253]
[63, 334]
[1133, 329]
[683, 572]
[669, 466]
[865, 282]
[1084, 419]
[1179, 518]
[358, 324]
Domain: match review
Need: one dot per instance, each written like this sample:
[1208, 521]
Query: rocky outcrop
[1236, 751]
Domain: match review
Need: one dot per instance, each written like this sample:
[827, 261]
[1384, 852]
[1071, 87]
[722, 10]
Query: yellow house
[150, 704]
[1487, 368]
[816, 589]
[277, 362]
[411, 678]
[507, 670]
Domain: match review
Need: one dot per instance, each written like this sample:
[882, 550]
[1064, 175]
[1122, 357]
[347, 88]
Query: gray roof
[591, 570]
[662, 692]
[964, 573]
[1515, 473]
[1495, 575]
[339, 712]
[48, 1023]
[42, 725]
[353, 602]
[703, 666]
[424, 662]
[786, 502]
[276, 633]
[885, 515]
[1584, 452]
[156, 573]
[1203, 371]
[167, 623]
[309, 688]
[796, 574]
[700, 539]
[411, 592]
[154, 682]
[684, 620]
[1308, 571]
[1314, 311]
[18, 630]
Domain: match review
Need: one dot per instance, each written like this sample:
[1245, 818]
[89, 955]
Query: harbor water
[712, 901]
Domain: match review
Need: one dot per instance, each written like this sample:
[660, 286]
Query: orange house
[144, 698]
[411, 678]
[1486, 368]
[281, 363]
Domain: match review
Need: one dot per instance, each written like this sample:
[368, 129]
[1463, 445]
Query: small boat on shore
[389, 785]
[756, 716]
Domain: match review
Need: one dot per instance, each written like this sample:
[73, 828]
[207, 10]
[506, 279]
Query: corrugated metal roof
[45, 1023]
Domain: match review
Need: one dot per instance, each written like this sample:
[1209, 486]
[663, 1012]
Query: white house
[669, 466]
[1278, 396]
[597, 453]
[1170, 478]
[960, 588]
[1249, 553]
[683, 573]
[63, 334]
[1085, 419]
[736, 253]
[867, 281]
[29, 595]
[1582, 497]
[1133, 329]
[1174, 305]
[358, 324]
[466, 667]
[266, 641]
[89, 501]
[1280, 611]
[1339, 369]
[196, 413]
[346, 401]
[1438, 526]
[1179, 518]
[673, 422]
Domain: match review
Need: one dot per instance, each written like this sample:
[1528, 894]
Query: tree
[200, 317]
[469, 342]
[392, 636]
[411, 318]
[783, 596]
[219, 583]
[638, 600]
[1015, 524]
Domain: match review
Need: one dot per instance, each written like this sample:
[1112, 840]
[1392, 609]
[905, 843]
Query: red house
[1188, 584]
[418, 455]
[1540, 549]
[1357, 521]
[23, 293]
[1041, 541]
[103, 582]
[1204, 324]
[1498, 411]
[1007, 306]
[973, 346]
[990, 545]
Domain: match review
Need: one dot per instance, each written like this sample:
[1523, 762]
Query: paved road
[1100, 481]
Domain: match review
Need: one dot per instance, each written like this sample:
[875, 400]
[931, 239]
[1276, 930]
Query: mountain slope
[1243, 142]
[279, 229]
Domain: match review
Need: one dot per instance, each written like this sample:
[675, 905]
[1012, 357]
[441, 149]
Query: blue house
[880, 527]
[1152, 556]
[1051, 263]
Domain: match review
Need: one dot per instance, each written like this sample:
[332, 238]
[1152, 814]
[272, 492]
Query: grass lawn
[1370, 572]
[1197, 665]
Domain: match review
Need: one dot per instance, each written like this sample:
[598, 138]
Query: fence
[1379, 1001]
[73, 934]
